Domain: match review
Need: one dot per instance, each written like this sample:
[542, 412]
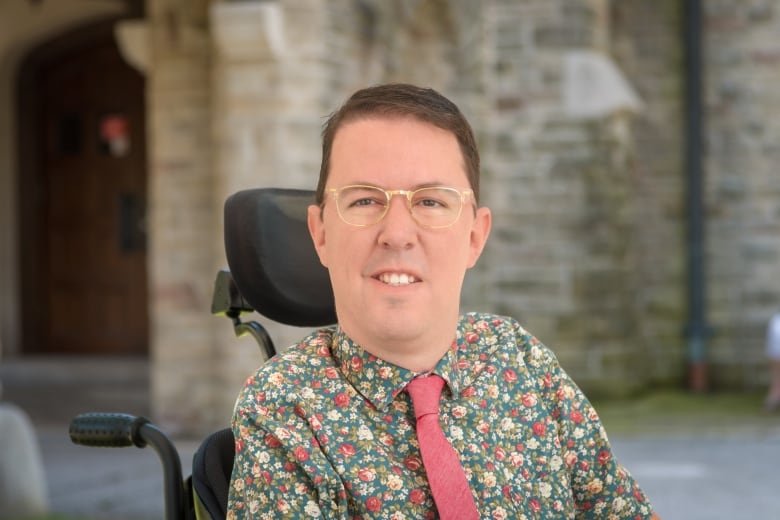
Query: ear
[480, 230]
[317, 231]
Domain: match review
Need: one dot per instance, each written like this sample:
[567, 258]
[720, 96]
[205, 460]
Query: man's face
[391, 319]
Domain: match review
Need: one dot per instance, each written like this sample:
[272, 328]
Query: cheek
[344, 254]
[452, 259]
[457, 251]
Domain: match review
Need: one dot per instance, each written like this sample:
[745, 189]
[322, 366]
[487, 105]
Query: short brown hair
[402, 100]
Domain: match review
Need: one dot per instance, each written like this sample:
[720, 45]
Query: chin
[397, 326]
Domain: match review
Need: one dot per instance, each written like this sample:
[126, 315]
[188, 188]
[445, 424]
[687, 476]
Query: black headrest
[272, 258]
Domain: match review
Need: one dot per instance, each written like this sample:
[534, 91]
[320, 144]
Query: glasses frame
[408, 195]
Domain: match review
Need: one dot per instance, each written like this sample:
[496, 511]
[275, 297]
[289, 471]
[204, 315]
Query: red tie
[448, 483]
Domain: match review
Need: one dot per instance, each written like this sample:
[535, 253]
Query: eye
[433, 199]
[365, 201]
[429, 202]
[362, 197]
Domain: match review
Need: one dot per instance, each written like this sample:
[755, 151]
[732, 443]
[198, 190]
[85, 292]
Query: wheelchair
[273, 270]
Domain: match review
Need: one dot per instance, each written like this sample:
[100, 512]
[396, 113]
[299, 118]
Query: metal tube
[696, 328]
[175, 507]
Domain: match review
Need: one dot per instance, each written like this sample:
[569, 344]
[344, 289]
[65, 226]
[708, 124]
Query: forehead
[395, 152]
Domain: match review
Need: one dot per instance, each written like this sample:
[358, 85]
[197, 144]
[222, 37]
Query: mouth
[396, 279]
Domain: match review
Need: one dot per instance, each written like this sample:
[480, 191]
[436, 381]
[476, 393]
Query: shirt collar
[380, 381]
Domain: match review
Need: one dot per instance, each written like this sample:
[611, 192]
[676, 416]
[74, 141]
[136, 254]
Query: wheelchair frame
[274, 270]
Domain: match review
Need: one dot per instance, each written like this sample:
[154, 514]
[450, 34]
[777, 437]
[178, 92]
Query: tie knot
[425, 393]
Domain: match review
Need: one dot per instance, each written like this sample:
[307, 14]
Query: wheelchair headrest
[272, 258]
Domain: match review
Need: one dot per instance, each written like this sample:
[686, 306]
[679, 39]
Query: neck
[414, 361]
[416, 355]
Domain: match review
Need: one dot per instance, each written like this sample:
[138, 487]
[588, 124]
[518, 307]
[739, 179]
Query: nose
[398, 229]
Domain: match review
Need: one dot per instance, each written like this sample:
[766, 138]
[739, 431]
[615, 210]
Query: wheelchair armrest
[114, 430]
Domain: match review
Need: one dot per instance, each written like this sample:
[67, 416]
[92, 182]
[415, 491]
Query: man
[335, 427]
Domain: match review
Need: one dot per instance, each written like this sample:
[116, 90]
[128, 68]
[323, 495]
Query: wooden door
[93, 181]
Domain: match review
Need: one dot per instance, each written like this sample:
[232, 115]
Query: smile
[396, 278]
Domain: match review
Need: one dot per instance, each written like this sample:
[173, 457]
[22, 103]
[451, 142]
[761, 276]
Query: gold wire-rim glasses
[371, 218]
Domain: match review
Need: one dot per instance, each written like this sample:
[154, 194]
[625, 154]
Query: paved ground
[691, 474]
[90, 483]
[690, 478]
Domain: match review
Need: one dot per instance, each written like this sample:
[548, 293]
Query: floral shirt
[325, 430]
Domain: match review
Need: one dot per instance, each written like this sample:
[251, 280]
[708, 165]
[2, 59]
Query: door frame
[31, 188]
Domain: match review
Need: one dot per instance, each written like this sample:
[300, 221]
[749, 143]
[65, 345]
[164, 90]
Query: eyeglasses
[432, 207]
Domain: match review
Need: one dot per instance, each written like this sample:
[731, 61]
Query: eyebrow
[433, 184]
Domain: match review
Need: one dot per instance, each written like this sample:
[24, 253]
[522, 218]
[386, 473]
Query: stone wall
[563, 253]
[270, 74]
[588, 247]
[646, 42]
[743, 186]
[181, 217]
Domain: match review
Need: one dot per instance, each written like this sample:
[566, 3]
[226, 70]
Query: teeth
[397, 278]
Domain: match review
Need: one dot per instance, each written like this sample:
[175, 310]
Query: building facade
[579, 108]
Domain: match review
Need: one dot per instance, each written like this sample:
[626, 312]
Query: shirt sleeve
[601, 487]
[277, 470]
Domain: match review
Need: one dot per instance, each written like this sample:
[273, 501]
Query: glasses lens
[361, 205]
[436, 207]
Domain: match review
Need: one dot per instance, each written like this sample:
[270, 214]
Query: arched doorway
[82, 193]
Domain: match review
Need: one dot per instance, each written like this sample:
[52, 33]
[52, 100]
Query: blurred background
[629, 152]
